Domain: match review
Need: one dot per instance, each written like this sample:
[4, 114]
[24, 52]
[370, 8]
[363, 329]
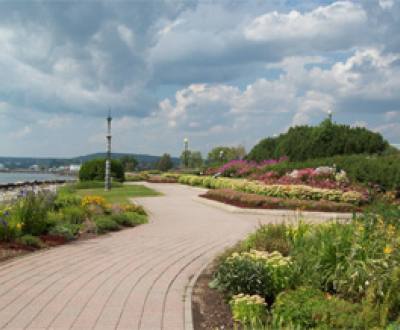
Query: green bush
[94, 170]
[366, 169]
[105, 224]
[325, 140]
[254, 272]
[65, 200]
[269, 238]
[301, 192]
[66, 230]
[73, 214]
[32, 241]
[129, 219]
[32, 212]
[309, 308]
[249, 310]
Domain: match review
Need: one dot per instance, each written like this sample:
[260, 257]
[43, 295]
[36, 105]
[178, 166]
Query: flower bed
[246, 200]
[42, 219]
[302, 192]
[326, 276]
[321, 177]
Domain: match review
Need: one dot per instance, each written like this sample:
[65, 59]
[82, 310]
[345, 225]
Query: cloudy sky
[218, 72]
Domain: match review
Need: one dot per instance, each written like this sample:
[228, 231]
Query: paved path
[133, 279]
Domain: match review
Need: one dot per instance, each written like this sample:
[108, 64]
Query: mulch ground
[209, 308]
[268, 207]
[12, 250]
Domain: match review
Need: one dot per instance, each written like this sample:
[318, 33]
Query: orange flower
[388, 250]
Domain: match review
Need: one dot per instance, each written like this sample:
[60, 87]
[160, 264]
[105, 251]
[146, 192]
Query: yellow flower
[18, 226]
[391, 230]
[388, 250]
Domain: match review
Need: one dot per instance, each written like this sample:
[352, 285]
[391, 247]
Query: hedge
[377, 170]
[282, 191]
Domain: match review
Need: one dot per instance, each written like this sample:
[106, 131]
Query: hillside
[145, 161]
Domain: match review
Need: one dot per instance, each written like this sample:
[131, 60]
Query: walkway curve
[133, 279]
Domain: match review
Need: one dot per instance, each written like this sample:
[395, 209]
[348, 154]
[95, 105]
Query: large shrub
[380, 170]
[327, 139]
[254, 272]
[309, 308]
[31, 212]
[94, 170]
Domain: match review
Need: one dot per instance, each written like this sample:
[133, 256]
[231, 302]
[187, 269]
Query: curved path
[133, 279]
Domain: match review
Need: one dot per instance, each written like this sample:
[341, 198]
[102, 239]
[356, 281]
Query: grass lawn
[119, 194]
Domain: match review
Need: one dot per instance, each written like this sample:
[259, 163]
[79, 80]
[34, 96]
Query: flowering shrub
[244, 168]
[94, 200]
[254, 272]
[282, 191]
[248, 200]
[249, 310]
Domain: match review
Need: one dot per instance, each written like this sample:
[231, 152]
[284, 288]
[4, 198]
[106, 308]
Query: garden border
[313, 215]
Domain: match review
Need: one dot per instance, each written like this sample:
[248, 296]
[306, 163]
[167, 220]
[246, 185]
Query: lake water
[10, 177]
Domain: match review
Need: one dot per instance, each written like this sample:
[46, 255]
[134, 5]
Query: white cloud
[331, 22]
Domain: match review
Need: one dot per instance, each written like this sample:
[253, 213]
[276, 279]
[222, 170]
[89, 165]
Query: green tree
[325, 140]
[165, 163]
[194, 159]
[223, 154]
[129, 163]
[94, 170]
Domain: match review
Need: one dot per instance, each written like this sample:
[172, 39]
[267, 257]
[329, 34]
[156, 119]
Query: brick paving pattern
[133, 279]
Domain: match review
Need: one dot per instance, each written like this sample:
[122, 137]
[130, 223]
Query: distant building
[74, 168]
[35, 167]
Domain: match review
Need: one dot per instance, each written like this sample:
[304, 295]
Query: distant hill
[145, 161]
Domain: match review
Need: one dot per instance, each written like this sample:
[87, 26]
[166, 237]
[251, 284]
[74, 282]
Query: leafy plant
[67, 230]
[32, 241]
[249, 310]
[32, 212]
[73, 214]
[105, 224]
[254, 272]
[309, 308]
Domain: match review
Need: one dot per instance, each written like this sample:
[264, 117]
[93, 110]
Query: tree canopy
[194, 159]
[165, 163]
[94, 170]
[129, 163]
[325, 140]
[223, 154]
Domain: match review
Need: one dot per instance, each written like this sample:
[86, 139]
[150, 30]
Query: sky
[218, 72]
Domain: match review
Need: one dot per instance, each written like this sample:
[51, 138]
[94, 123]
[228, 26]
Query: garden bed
[253, 201]
[322, 276]
[44, 219]
[209, 308]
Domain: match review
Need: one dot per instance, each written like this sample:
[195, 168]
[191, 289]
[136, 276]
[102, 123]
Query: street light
[330, 115]
[186, 143]
[221, 156]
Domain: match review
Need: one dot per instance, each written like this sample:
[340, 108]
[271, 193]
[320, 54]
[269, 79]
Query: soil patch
[251, 201]
[209, 308]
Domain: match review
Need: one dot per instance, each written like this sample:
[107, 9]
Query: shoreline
[9, 192]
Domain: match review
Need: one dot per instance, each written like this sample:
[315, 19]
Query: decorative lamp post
[186, 158]
[107, 179]
[330, 115]
[221, 156]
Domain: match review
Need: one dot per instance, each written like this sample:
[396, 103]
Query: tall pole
[186, 142]
[107, 179]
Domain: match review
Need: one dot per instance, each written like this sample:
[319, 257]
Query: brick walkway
[133, 279]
